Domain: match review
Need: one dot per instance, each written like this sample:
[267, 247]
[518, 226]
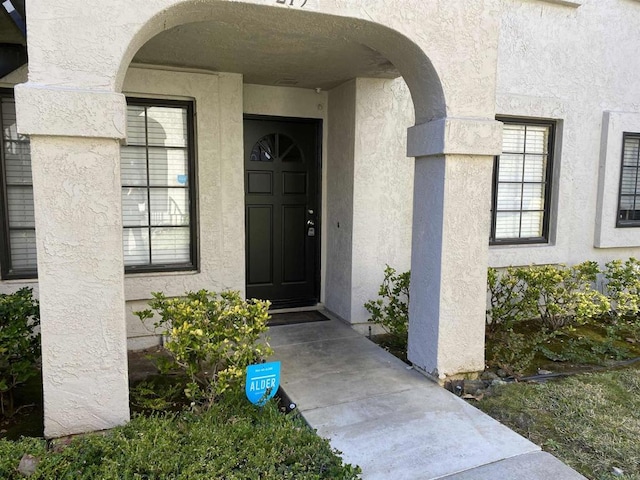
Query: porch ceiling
[266, 53]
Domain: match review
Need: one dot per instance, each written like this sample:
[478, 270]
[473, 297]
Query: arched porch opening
[299, 32]
[202, 50]
[271, 60]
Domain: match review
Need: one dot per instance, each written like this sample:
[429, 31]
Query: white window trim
[607, 235]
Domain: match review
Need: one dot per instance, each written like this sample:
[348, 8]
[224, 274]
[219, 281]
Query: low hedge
[232, 440]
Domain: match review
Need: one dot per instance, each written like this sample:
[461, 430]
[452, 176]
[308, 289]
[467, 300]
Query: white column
[451, 215]
[76, 183]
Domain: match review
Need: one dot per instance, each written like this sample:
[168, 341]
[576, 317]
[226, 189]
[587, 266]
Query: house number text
[293, 3]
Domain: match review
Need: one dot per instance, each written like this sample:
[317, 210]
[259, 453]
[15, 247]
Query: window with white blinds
[19, 238]
[522, 183]
[157, 186]
[629, 198]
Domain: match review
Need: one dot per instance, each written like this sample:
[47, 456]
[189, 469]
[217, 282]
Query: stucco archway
[436, 141]
[251, 39]
[75, 115]
[412, 62]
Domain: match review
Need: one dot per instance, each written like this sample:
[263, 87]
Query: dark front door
[281, 210]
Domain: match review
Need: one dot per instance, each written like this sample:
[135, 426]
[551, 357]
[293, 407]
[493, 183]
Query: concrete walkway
[391, 420]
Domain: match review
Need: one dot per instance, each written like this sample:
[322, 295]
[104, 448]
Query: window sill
[501, 256]
[20, 280]
[497, 246]
[161, 273]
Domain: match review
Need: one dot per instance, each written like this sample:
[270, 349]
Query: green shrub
[556, 294]
[159, 393]
[233, 440]
[391, 310]
[212, 337]
[19, 343]
[562, 295]
[532, 308]
[623, 286]
[509, 301]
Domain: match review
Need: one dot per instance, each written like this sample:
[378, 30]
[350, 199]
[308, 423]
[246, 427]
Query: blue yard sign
[263, 381]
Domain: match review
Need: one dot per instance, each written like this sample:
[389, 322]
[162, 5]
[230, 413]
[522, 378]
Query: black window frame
[193, 265]
[7, 271]
[546, 219]
[620, 223]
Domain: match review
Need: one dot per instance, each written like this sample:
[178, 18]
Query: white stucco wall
[340, 183]
[562, 61]
[83, 350]
[441, 341]
[574, 64]
[572, 61]
[410, 33]
[220, 188]
[219, 159]
[383, 187]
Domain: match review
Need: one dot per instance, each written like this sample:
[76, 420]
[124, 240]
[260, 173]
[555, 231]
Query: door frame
[318, 123]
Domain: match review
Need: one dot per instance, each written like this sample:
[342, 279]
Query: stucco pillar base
[81, 281]
[451, 217]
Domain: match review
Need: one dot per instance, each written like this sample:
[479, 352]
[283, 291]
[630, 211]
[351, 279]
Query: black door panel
[281, 190]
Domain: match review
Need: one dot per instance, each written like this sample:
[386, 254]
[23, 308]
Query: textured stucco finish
[284, 101]
[455, 136]
[79, 240]
[567, 64]
[339, 224]
[450, 224]
[464, 53]
[382, 190]
[45, 110]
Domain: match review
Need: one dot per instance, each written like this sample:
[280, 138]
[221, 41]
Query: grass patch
[232, 440]
[528, 346]
[590, 421]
